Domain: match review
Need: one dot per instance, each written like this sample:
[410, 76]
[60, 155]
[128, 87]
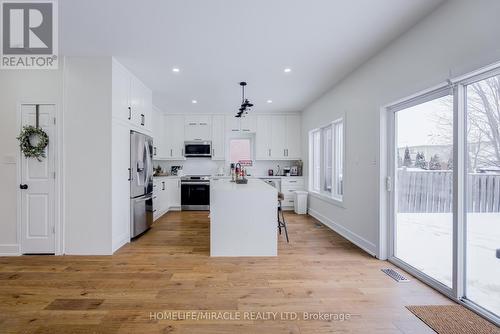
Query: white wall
[30, 86]
[87, 158]
[460, 36]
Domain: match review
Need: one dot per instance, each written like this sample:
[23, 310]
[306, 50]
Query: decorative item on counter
[233, 173]
[174, 169]
[294, 171]
[270, 172]
[278, 171]
[286, 171]
[299, 167]
[158, 171]
[180, 171]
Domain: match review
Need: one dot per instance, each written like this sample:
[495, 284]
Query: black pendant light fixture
[246, 106]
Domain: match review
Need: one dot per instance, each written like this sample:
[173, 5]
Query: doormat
[453, 319]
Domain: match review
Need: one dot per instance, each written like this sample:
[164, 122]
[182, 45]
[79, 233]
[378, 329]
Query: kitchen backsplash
[204, 166]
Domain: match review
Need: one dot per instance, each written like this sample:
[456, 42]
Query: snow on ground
[424, 240]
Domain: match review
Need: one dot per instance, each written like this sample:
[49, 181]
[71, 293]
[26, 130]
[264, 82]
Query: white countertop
[252, 185]
[166, 176]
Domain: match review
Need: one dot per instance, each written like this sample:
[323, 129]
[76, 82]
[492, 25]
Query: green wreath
[25, 142]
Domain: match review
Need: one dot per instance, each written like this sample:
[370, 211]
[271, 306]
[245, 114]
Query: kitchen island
[243, 219]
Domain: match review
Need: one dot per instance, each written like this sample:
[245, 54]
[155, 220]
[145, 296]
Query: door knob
[23, 186]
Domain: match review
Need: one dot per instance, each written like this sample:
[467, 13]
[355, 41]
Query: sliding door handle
[129, 113]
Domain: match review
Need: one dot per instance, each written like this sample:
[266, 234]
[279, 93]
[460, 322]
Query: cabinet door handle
[197, 139]
[143, 119]
[192, 123]
[235, 130]
[170, 152]
[203, 123]
[182, 152]
[23, 186]
[213, 151]
[129, 113]
[269, 152]
[163, 184]
[247, 130]
[154, 151]
[130, 174]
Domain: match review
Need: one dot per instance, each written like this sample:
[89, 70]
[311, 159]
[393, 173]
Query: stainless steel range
[195, 192]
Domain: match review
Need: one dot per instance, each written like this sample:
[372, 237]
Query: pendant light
[245, 103]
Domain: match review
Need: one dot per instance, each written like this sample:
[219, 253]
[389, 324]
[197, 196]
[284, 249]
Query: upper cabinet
[159, 140]
[246, 124]
[174, 137]
[132, 101]
[278, 137]
[292, 137]
[198, 127]
[218, 138]
[263, 149]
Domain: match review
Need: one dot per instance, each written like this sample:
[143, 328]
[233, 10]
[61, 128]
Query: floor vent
[395, 275]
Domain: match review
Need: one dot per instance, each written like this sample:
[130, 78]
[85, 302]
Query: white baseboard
[120, 242]
[361, 242]
[9, 250]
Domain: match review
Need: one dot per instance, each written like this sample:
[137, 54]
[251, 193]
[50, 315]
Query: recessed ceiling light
[194, 101]
[176, 70]
[287, 70]
[269, 101]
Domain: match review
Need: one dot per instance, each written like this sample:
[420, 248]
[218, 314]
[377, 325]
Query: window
[240, 150]
[327, 160]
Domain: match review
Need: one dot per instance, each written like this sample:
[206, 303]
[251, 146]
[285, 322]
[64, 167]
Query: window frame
[252, 148]
[337, 168]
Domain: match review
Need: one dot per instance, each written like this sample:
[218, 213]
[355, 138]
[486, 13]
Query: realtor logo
[29, 34]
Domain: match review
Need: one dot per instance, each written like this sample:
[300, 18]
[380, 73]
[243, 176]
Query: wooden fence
[431, 191]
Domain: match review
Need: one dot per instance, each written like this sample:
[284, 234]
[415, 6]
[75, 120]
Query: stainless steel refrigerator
[141, 183]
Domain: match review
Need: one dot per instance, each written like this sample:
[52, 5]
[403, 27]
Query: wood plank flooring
[169, 269]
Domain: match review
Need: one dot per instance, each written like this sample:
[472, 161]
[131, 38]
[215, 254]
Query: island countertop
[243, 218]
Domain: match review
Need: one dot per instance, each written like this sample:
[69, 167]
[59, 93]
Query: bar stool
[282, 221]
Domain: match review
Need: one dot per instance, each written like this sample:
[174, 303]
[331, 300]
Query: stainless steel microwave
[202, 149]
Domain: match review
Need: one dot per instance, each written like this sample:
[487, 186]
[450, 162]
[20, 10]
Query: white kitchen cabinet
[278, 134]
[289, 185]
[198, 128]
[263, 138]
[159, 141]
[132, 101]
[292, 137]
[248, 124]
[218, 137]
[174, 137]
[278, 137]
[236, 125]
[160, 197]
[120, 102]
[173, 186]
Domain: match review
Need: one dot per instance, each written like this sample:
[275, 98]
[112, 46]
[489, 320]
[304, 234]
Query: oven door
[198, 149]
[195, 196]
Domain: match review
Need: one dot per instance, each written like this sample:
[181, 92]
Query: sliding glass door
[423, 220]
[444, 160]
[483, 193]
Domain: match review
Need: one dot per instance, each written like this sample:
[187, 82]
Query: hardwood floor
[168, 269]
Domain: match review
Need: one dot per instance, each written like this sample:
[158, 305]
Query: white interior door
[38, 199]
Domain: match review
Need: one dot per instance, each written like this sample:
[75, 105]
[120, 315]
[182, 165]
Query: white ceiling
[218, 43]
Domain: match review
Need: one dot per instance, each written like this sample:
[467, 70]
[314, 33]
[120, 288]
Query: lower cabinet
[288, 187]
[166, 195]
[174, 193]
